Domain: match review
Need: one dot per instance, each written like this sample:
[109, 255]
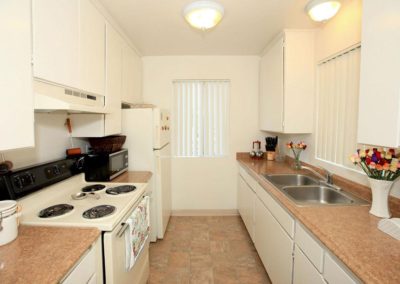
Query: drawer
[304, 271]
[310, 247]
[335, 273]
[248, 178]
[84, 270]
[283, 217]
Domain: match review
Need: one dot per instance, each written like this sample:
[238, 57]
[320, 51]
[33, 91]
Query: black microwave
[105, 166]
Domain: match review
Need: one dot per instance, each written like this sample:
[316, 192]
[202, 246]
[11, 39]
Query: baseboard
[206, 212]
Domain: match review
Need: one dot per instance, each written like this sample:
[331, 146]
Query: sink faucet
[327, 179]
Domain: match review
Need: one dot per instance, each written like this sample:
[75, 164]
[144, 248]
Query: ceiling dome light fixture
[322, 10]
[203, 14]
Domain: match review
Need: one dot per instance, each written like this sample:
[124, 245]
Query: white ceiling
[157, 27]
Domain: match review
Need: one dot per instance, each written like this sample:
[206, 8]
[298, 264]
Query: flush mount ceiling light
[203, 14]
[322, 10]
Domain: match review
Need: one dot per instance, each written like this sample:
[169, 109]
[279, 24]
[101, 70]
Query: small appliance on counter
[106, 159]
[270, 147]
[9, 213]
[105, 166]
[256, 153]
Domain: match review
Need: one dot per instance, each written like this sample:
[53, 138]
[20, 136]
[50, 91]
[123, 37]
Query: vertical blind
[200, 118]
[337, 93]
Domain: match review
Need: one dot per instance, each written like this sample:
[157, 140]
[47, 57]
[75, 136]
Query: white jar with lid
[8, 221]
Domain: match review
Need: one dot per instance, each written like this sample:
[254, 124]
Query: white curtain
[337, 93]
[200, 118]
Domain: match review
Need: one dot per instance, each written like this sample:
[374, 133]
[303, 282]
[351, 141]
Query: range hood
[49, 97]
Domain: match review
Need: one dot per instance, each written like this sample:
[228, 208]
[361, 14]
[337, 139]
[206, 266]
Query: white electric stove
[53, 194]
[59, 196]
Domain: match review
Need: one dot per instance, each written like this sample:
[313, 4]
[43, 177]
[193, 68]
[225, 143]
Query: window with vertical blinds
[337, 93]
[201, 118]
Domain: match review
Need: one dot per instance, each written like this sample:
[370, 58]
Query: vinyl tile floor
[206, 250]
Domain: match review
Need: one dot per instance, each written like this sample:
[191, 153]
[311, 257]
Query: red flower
[368, 160]
[378, 155]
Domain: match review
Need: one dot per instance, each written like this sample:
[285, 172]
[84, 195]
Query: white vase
[380, 197]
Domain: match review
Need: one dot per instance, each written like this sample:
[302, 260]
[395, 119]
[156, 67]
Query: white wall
[51, 141]
[208, 183]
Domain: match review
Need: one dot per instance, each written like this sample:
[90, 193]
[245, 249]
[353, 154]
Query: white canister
[8, 221]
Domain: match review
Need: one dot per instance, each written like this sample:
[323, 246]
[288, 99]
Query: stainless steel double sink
[305, 191]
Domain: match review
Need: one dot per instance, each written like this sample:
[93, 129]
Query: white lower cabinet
[85, 271]
[273, 245]
[289, 252]
[246, 198]
[304, 271]
[335, 272]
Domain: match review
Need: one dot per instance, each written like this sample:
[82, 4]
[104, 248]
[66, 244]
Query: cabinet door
[271, 88]
[299, 76]
[132, 75]
[137, 79]
[113, 82]
[273, 245]
[16, 96]
[380, 68]
[304, 271]
[56, 41]
[247, 205]
[84, 270]
[336, 273]
[241, 196]
[92, 48]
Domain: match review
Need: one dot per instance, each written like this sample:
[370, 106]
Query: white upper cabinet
[131, 76]
[92, 48]
[286, 102]
[69, 44]
[16, 96]
[379, 101]
[56, 41]
[99, 125]
[271, 88]
[113, 81]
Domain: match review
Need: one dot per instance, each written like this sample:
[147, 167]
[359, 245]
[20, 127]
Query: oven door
[115, 257]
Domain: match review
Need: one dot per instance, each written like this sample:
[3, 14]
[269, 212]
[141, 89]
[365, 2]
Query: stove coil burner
[93, 187]
[98, 212]
[121, 189]
[55, 210]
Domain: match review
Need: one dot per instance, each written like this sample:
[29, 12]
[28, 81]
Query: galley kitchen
[199, 141]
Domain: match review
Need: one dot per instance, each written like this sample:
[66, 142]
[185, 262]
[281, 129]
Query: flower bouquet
[296, 149]
[382, 168]
[378, 164]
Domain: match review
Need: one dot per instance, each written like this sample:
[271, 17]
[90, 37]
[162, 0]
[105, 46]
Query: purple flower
[374, 158]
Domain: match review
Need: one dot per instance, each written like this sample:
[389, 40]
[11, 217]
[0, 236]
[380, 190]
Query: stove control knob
[56, 170]
[32, 178]
[18, 182]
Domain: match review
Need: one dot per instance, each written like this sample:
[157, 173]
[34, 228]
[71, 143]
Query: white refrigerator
[147, 133]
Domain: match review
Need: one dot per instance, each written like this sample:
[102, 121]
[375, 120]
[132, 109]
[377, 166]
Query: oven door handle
[121, 231]
[125, 225]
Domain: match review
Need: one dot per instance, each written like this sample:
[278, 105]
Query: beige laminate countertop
[349, 232]
[134, 176]
[43, 254]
